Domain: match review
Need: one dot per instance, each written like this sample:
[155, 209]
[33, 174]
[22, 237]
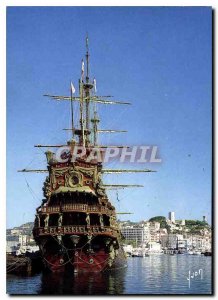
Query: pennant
[72, 88]
[83, 68]
[94, 83]
[87, 42]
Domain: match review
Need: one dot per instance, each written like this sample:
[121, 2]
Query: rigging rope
[9, 269]
[31, 190]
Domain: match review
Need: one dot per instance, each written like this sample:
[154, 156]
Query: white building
[146, 234]
[204, 219]
[154, 247]
[12, 243]
[172, 241]
[142, 233]
[24, 239]
[172, 216]
[133, 233]
[183, 222]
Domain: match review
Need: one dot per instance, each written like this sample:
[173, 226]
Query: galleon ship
[76, 225]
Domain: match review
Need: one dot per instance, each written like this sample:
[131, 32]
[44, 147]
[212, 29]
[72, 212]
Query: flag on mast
[83, 68]
[87, 42]
[94, 83]
[72, 88]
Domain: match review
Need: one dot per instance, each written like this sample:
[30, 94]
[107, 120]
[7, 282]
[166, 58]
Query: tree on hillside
[195, 223]
[161, 220]
[157, 219]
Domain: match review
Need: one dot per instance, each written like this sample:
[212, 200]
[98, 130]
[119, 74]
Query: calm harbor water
[157, 274]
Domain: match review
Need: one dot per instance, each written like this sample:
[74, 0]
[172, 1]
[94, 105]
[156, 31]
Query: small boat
[137, 253]
[197, 253]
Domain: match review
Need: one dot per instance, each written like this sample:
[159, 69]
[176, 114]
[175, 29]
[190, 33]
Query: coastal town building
[24, 239]
[172, 216]
[12, 243]
[154, 247]
[204, 219]
[141, 233]
[135, 233]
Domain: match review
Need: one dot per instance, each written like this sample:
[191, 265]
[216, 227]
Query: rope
[17, 261]
[31, 190]
[55, 264]
[13, 263]
[9, 269]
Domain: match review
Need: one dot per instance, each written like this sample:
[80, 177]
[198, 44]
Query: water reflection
[166, 274]
[83, 284]
[157, 274]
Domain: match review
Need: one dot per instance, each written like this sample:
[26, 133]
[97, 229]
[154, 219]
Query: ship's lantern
[75, 239]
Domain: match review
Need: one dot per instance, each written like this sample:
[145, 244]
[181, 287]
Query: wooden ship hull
[88, 238]
[76, 226]
[81, 261]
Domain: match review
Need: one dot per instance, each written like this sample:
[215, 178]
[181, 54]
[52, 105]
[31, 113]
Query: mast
[87, 87]
[81, 139]
[95, 122]
[71, 108]
[87, 59]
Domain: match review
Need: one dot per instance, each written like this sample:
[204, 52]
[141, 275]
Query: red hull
[83, 262]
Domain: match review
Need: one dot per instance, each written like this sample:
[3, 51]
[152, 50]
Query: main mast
[87, 88]
[84, 97]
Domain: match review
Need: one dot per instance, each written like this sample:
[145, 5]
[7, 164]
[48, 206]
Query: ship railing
[76, 229]
[76, 207]
[50, 209]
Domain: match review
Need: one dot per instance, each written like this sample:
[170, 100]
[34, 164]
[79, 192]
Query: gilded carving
[73, 179]
[47, 188]
[89, 172]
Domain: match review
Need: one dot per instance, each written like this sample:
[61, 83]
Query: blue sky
[159, 58]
